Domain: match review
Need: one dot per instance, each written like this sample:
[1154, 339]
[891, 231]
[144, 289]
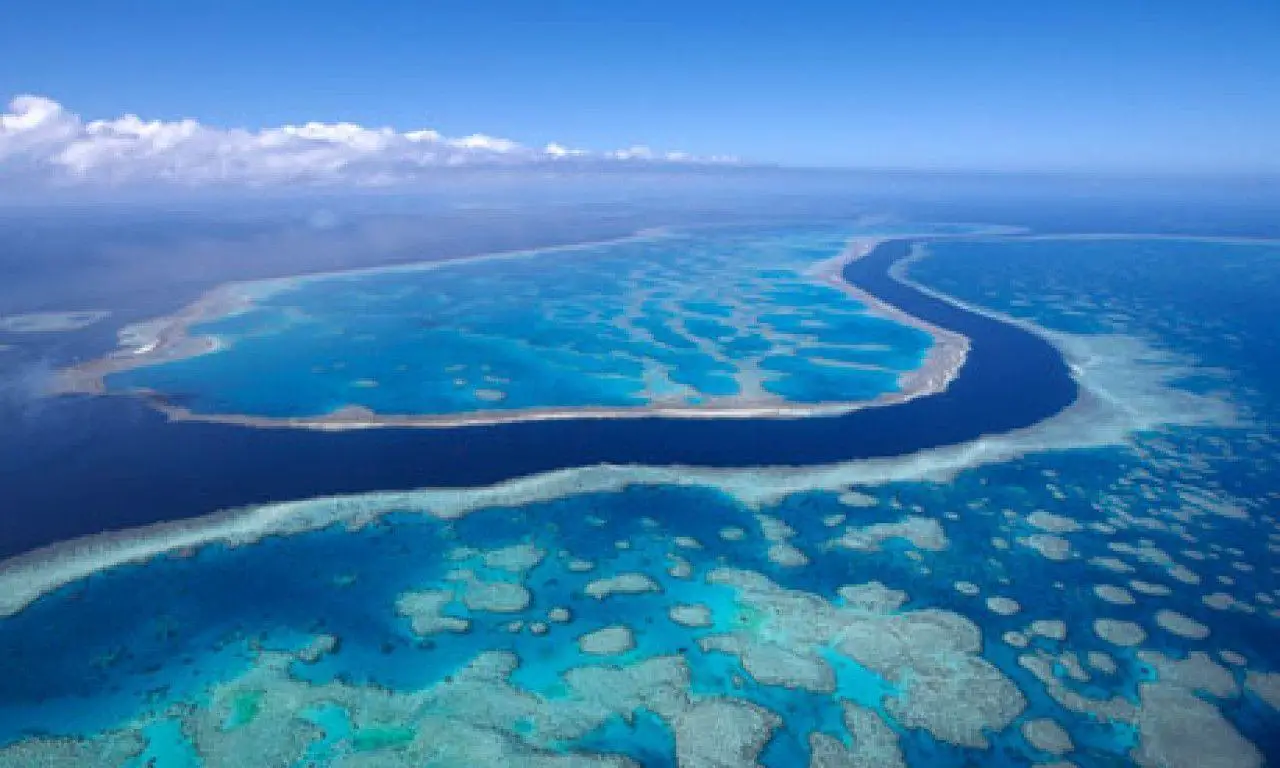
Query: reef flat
[727, 324]
[1097, 588]
[50, 322]
[983, 400]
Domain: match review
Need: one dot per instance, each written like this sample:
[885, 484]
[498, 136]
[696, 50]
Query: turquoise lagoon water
[719, 317]
[981, 619]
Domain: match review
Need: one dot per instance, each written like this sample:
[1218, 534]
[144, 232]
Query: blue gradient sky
[1082, 85]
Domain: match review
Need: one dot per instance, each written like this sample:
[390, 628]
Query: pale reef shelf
[1079, 578]
[1125, 388]
[50, 322]
[170, 339]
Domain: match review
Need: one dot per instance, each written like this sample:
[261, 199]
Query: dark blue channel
[114, 463]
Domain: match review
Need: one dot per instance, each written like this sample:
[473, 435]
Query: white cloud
[43, 143]
[556, 150]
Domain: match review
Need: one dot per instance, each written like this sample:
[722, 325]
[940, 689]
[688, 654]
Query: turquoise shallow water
[200, 656]
[688, 320]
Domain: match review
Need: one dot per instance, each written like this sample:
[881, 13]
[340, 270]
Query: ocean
[1068, 554]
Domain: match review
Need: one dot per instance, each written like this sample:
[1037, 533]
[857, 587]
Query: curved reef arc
[1125, 388]
[172, 339]
[1012, 378]
[1084, 581]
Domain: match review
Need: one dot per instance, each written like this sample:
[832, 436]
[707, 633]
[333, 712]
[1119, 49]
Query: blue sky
[1080, 85]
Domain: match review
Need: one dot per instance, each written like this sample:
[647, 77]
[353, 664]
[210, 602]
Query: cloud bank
[42, 143]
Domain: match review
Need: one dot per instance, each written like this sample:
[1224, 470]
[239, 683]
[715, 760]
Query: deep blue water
[131, 467]
[96, 653]
[1216, 301]
[78, 465]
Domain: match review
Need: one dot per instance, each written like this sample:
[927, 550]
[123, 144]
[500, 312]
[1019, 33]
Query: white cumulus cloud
[43, 143]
